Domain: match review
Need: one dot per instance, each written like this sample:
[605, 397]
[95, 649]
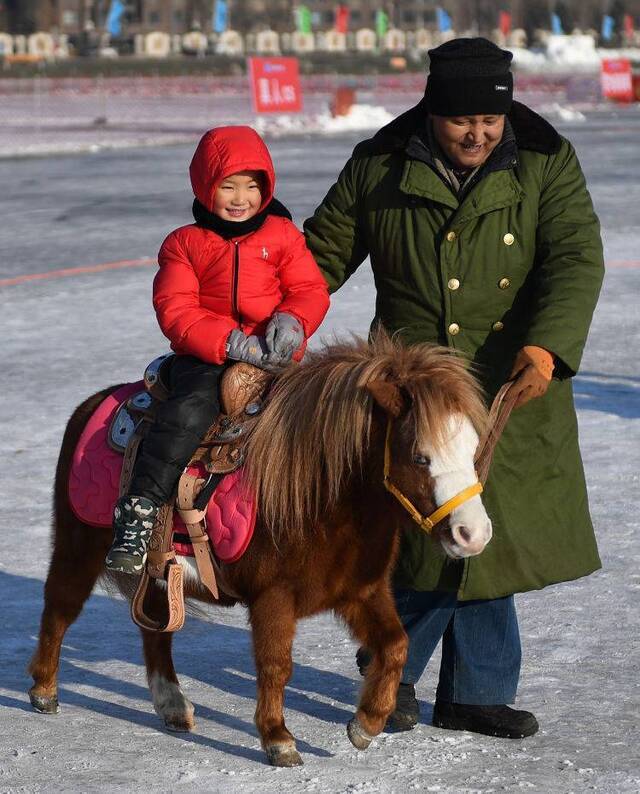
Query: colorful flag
[382, 23]
[608, 26]
[556, 25]
[220, 20]
[303, 19]
[628, 25]
[341, 23]
[444, 20]
[505, 22]
[114, 17]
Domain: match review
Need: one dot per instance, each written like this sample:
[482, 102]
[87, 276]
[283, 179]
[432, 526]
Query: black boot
[502, 721]
[405, 715]
[363, 659]
[133, 520]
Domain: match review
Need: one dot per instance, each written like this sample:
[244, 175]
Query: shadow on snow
[214, 654]
[611, 394]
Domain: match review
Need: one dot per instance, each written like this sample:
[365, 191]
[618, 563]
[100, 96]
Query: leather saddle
[242, 391]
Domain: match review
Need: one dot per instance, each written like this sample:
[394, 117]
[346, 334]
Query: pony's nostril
[462, 535]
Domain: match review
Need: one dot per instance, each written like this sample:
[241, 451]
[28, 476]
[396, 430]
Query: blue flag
[114, 16]
[444, 20]
[220, 16]
[556, 25]
[608, 26]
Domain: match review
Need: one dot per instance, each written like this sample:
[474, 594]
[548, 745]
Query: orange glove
[531, 373]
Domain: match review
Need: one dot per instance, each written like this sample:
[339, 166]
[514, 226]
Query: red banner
[616, 79]
[341, 24]
[275, 85]
[504, 22]
[628, 25]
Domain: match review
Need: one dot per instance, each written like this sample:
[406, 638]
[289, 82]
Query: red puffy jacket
[207, 286]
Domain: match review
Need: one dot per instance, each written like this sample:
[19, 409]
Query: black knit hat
[469, 77]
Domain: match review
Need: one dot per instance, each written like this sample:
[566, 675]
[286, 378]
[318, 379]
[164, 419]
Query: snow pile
[529, 60]
[576, 53]
[360, 117]
[562, 113]
[576, 50]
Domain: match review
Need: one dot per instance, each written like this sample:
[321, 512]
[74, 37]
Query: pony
[349, 440]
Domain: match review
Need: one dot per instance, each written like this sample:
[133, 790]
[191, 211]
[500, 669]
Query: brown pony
[328, 528]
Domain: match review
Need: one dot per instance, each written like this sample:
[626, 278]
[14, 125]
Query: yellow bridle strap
[427, 523]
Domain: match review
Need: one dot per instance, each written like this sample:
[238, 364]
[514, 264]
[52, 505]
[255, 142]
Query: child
[238, 285]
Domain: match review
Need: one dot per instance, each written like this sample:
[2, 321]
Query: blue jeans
[480, 645]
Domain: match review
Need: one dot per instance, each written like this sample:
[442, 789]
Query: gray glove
[251, 349]
[284, 336]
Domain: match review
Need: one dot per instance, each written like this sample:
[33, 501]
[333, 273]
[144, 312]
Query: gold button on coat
[498, 326]
[504, 283]
[453, 283]
[451, 236]
[508, 239]
[454, 328]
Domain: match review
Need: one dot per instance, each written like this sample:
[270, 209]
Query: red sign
[615, 79]
[275, 84]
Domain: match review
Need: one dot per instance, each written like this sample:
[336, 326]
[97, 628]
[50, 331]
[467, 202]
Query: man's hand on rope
[531, 373]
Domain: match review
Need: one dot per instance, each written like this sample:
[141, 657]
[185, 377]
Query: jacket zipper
[236, 278]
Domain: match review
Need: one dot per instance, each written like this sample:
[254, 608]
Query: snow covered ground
[67, 336]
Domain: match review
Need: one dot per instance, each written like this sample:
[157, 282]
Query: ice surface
[67, 337]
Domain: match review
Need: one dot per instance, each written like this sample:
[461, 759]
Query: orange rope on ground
[75, 271]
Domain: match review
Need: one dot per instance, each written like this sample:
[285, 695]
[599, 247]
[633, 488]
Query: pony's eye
[421, 460]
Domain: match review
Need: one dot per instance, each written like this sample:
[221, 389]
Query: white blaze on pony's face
[452, 468]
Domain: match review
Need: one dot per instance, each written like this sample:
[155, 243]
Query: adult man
[482, 237]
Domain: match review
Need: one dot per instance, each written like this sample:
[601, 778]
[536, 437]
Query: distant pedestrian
[482, 236]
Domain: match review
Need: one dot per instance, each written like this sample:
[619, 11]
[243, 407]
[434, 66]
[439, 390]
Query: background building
[180, 16]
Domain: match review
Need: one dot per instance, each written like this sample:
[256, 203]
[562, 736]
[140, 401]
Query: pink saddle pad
[95, 475]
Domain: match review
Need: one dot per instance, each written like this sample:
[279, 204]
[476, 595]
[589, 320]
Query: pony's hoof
[358, 737]
[283, 755]
[45, 704]
[180, 725]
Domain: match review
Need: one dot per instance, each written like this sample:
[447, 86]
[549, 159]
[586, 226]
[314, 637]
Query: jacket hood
[531, 131]
[224, 151]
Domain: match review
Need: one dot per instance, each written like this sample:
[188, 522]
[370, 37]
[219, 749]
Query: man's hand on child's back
[283, 337]
[251, 349]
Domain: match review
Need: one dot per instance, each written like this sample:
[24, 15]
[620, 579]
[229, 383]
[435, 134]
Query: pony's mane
[315, 428]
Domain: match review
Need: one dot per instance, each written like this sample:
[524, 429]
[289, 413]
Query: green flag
[382, 23]
[303, 18]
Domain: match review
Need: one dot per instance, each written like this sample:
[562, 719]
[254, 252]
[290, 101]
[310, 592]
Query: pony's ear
[390, 397]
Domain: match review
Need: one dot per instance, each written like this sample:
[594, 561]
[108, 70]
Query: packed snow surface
[68, 336]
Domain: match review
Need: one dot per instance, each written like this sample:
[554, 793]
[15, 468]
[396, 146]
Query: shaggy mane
[315, 428]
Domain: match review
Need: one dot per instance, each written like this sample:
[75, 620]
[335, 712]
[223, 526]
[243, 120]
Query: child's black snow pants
[180, 425]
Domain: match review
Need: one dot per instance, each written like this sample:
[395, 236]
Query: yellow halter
[427, 523]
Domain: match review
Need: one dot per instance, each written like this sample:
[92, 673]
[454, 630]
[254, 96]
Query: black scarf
[229, 229]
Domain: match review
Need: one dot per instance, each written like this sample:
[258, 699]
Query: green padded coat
[518, 260]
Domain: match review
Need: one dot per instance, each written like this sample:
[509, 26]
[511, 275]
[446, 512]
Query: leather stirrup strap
[499, 414]
[130, 455]
[188, 488]
[161, 564]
